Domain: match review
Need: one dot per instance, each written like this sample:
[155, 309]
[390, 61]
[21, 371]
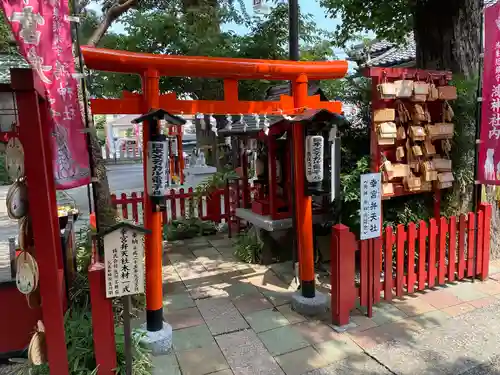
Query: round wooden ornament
[17, 200]
[37, 350]
[25, 232]
[26, 273]
[14, 158]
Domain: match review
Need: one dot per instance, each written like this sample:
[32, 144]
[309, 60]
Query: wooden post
[34, 133]
[303, 205]
[484, 271]
[342, 274]
[102, 322]
[152, 219]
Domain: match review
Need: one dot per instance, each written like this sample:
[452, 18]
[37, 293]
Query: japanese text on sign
[123, 255]
[488, 171]
[157, 162]
[314, 158]
[370, 206]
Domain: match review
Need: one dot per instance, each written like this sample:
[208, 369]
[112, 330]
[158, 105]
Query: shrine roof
[384, 53]
[8, 62]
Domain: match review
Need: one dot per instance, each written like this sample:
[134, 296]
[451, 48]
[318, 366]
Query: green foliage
[390, 20]
[188, 228]
[170, 28]
[458, 200]
[80, 346]
[248, 248]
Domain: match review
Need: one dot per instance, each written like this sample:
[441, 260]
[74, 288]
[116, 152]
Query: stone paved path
[231, 318]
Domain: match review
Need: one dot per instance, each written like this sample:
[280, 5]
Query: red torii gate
[151, 66]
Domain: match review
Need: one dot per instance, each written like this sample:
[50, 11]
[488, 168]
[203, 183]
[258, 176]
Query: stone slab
[221, 315]
[247, 355]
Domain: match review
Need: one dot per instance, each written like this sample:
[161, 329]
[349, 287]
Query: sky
[310, 6]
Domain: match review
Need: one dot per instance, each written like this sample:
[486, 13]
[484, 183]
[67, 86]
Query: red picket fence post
[342, 274]
[102, 322]
[486, 241]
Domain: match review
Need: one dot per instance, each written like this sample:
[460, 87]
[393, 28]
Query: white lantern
[314, 158]
[156, 168]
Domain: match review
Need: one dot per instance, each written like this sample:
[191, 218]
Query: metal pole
[476, 193]
[293, 45]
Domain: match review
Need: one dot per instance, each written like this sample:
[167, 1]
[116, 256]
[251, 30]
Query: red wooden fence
[409, 259]
[213, 207]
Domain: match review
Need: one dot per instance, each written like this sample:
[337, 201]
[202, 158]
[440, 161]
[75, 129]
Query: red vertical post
[471, 222]
[244, 167]
[152, 217]
[452, 249]
[400, 259]
[389, 241]
[443, 230]
[480, 238]
[411, 278]
[303, 203]
[431, 278]
[377, 255]
[181, 154]
[102, 322]
[273, 185]
[486, 208]
[461, 244]
[342, 274]
[422, 240]
[35, 135]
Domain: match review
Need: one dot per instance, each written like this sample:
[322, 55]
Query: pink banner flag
[489, 147]
[43, 32]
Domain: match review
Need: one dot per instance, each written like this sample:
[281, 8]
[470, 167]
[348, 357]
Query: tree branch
[114, 12]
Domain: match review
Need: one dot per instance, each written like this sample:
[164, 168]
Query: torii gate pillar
[159, 333]
[307, 301]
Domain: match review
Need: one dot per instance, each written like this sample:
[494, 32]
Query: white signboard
[314, 158]
[157, 168]
[124, 262]
[371, 205]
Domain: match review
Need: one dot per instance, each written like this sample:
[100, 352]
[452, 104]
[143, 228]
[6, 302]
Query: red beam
[216, 67]
[169, 102]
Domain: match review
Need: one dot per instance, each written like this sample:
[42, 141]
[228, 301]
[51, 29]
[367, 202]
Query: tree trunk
[106, 214]
[447, 35]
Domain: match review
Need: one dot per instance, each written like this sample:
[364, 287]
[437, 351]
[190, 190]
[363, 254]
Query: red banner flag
[43, 32]
[489, 150]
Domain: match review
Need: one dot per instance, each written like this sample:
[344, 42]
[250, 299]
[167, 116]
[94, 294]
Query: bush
[80, 345]
[248, 249]
[188, 228]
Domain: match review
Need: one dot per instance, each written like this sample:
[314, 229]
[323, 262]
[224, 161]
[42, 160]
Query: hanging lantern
[213, 125]
[242, 120]
[201, 118]
[257, 120]
[314, 152]
[157, 168]
[229, 122]
[266, 125]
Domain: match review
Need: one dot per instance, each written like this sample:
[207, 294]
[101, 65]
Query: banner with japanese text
[43, 32]
[489, 151]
